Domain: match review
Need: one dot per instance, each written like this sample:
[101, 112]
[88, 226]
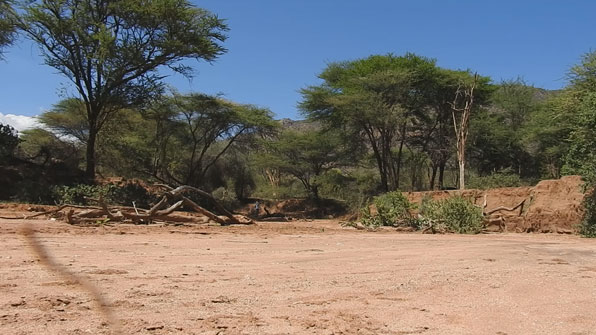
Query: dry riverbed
[303, 277]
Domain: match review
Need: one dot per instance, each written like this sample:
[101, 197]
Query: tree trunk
[399, 157]
[315, 193]
[442, 174]
[462, 169]
[90, 154]
[465, 97]
[433, 176]
[381, 164]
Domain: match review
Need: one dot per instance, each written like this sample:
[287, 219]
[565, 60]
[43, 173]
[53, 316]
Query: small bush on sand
[458, 214]
[389, 209]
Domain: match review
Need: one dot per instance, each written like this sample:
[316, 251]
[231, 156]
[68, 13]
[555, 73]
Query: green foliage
[504, 178]
[515, 101]
[67, 118]
[33, 191]
[547, 130]
[500, 132]
[118, 194]
[354, 186]
[226, 198]
[9, 140]
[458, 214]
[305, 156]
[587, 227]
[77, 194]
[373, 98]
[125, 193]
[389, 209]
[112, 51]
[196, 130]
[7, 24]
[581, 157]
[391, 103]
[44, 147]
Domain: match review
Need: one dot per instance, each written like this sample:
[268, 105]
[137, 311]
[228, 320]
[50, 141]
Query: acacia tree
[581, 157]
[202, 129]
[67, 118]
[111, 50]
[306, 156]
[7, 24]
[377, 99]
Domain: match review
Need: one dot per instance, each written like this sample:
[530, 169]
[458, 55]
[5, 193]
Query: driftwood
[50, 212]
[162, 211]
[500, 221]
[177, 194]
[503, 208]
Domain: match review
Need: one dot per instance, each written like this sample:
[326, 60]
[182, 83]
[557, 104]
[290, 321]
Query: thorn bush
[457, 213]
[389, 209]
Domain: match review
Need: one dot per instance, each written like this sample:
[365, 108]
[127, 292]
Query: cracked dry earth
[297, 278]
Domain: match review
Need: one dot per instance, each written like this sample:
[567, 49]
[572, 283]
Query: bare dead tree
[461, 109]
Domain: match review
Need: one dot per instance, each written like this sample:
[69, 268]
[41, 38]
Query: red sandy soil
[301, 277]
[552, 206]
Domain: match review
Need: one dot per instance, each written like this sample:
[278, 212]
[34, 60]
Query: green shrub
[115, 194]
[587, 227]
[458, 214]
[78, 194]
[127, 192]
[225, 197]
[9, 140]
[498, 179]
[392, 209]
[33, 191]
[356, 186]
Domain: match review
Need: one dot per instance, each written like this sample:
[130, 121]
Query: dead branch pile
[163, 211]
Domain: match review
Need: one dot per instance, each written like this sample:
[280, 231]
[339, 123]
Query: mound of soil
[550, 206]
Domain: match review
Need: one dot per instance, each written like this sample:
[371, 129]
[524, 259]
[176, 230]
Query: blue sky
[277, 47]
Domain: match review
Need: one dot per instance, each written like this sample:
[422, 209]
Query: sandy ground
[298, 278]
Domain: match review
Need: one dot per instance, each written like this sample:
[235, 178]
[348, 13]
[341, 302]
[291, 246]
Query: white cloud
[19, 122]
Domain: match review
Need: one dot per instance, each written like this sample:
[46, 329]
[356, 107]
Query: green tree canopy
[306, 156]
[391, 103]
[581, 157]
[111, 50]
[375, 98]
[197, 130]
[7, 24]
[67, 118]
[501, 131]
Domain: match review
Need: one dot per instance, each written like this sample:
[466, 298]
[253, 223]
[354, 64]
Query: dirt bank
[550, 206]
[298, 278]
